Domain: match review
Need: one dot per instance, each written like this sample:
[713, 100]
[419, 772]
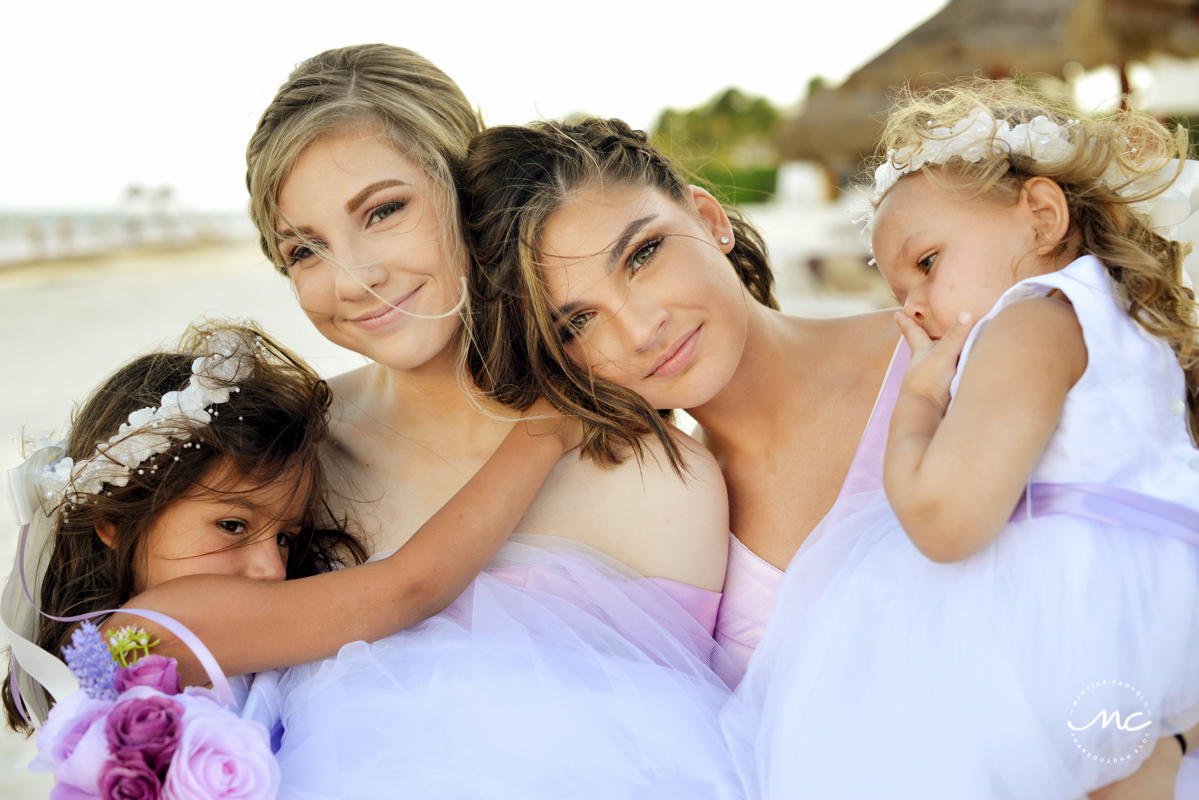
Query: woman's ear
[107, 532]
[713, 215]
[1044, 199]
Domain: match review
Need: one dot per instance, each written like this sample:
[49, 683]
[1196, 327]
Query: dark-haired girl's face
[233, 528]
[644, 293]
[364, 245]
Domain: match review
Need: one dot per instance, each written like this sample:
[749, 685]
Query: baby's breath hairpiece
[150, 430]
[980, 135]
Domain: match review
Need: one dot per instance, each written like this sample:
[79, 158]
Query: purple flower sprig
[91, 662]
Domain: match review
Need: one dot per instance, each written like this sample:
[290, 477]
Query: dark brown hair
[514, 179]
[272, 428]
[1102, 181]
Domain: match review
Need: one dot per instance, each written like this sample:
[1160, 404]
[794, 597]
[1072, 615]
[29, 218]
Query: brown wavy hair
[515, 177]
[273, 428]
[1100, 181]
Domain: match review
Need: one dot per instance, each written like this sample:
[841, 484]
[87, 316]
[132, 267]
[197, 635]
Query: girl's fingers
[954, 339]
[913, 333]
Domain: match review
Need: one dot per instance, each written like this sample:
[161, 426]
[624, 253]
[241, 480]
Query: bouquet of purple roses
[133, 734]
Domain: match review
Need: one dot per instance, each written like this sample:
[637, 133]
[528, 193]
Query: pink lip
[384, 315]
[674, 360]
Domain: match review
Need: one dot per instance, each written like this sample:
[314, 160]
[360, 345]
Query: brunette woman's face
[380, 258]
[646, 296]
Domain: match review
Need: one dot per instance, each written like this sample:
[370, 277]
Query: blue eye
[386, 210]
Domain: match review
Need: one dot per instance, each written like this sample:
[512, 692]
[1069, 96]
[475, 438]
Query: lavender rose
[157, 672]
[148, 726]
[72, 745]
[221, 757]
[128, 779]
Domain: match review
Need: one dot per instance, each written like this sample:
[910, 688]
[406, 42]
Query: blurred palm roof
[992, 38]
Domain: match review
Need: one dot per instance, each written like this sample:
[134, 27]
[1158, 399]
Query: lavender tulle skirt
[983, 678]
[556, 674]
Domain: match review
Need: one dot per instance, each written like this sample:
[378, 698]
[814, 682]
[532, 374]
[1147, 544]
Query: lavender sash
[1110, 505]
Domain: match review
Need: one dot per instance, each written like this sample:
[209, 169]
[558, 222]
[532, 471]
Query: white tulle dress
[884, 674]
[558, 673]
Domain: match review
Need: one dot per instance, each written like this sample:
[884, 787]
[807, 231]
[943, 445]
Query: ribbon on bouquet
[17, 619]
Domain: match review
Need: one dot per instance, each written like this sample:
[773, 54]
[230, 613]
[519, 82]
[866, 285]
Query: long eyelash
[393, 207]
[650, 244]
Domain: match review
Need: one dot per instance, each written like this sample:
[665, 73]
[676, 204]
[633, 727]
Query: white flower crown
[979, 135]
[150, 430]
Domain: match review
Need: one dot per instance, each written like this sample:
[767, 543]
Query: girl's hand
[543, 419]
[934, 363]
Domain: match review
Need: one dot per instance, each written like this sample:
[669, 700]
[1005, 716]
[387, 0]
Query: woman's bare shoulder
[642, 513]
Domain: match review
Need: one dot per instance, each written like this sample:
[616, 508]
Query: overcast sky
[98, 95]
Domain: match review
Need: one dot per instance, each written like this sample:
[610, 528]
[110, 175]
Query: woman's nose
[642, 324]
[356, 279]
[264, 559]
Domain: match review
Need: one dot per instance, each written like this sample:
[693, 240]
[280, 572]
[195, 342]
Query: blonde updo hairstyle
[1110, 154]
[422, 113]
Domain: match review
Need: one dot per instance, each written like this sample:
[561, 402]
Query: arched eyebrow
[360, 198]
[617, 250]
[622, 243]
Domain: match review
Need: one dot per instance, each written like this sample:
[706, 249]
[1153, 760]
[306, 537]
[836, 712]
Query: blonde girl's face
[362, 239]
[644, 293]
[236, 528]
[943, 253]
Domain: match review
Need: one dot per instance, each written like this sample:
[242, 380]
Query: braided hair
[514, 178]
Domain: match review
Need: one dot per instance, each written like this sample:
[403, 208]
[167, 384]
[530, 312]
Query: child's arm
[954, 479]
[252, 625]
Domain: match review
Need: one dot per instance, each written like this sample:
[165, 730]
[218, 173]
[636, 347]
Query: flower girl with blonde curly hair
[1017, 614]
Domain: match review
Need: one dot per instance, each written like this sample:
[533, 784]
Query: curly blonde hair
[1101, 180]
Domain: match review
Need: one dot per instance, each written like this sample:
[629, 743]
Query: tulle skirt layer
[884, 674]
[556, 674]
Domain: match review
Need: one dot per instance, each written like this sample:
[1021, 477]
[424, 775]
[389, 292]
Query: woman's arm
[954, 478]
[252, 626]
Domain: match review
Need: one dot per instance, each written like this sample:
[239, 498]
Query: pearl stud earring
[724, 240]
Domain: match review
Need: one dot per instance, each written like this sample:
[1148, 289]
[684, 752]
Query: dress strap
[1110, 505]
[865, 471]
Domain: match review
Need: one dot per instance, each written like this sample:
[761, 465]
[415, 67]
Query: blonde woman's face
[362, 237]
[644, 292]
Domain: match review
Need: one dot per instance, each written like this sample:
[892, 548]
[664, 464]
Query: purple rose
[157, 672]
[72, 745]
[128, 779]
[221, 756]
[148, 726]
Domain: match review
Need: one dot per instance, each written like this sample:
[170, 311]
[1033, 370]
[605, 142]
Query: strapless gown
[558, 673]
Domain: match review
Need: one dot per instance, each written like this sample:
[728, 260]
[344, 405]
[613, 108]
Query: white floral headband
[979, 135]
[150, 430]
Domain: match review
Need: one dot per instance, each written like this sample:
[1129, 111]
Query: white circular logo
[1110, 721]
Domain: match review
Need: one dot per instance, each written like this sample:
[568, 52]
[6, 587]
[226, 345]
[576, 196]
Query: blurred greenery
[728, 145]
[1192, 126]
